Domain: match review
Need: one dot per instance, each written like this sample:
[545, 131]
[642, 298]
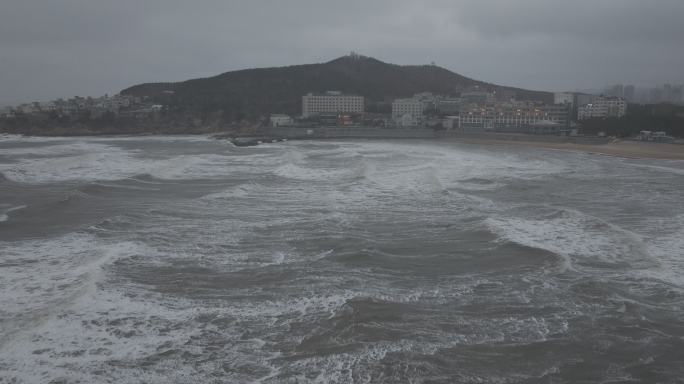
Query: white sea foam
[24, 139]
[100, 326]
[9, 137]
[98, 162]
[430, 168]
[4, 213]
[89, 161]
[579, 238]
[85, 323]
[305, 173]
[103, 159]
[677, 167]
[240, 191]
[365, 362]
[415, 166]
[108, 139]
[77, 339]
[103, 326]
[39, 277]
[58, 148]
[55, 312]
[666, 244]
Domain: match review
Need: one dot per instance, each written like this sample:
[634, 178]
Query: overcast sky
[62, 48]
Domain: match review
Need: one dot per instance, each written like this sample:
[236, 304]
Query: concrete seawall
[303, 133]
[347, 132]
[523, 137]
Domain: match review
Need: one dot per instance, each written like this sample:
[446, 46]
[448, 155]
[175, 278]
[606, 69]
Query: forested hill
[257, 92]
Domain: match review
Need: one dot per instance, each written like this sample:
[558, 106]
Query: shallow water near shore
[186, 259]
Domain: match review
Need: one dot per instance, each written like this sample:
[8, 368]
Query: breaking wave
[90, 162]
[583, 241]
[4, 214]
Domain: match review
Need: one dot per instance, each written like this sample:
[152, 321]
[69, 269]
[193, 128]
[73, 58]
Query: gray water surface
[185, 259]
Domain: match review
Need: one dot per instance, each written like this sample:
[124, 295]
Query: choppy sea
[186, 259]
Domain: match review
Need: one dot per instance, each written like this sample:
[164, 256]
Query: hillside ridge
[251, 93]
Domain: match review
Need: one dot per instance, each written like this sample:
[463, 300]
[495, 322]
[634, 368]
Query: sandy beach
[619, 148]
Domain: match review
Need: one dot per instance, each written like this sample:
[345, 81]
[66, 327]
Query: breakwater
[524, 137]
[347, 132]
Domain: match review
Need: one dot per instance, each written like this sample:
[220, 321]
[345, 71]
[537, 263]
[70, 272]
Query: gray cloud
[616, 21]
[87, 47]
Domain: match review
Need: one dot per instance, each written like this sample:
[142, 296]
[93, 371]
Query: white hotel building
[564, 98]
[407, 112]
[602, 107]
[331, 102]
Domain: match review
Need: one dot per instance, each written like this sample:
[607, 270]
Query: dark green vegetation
[253, 93]
[653, 117]
[51, 124]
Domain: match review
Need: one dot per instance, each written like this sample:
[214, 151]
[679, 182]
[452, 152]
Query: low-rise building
[449, 105]
[557, 113]
[278, 120]
[584, 99]
[660, 136]
[514, 116]
[477, 97]
[546, 127]
[79, 107]
[451, 123]
[564, 98]
[408, 112]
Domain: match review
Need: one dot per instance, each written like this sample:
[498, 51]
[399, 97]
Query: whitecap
[580, 239]
[4, 215]
[40, 277]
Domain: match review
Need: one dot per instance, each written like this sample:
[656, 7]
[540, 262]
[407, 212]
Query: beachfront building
[602, 107]
[556, 113]
[654, 136]
[515, 114]
[449, 105]
[564, 98]
[279, 120]
[408, 112]
[451, 123]
[478, 97]
[331, 102]
[514, 117]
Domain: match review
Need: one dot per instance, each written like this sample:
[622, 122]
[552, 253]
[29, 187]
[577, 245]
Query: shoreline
[619, 148]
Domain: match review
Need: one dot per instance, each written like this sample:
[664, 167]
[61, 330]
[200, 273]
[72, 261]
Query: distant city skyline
[76, 47]
[642, 94]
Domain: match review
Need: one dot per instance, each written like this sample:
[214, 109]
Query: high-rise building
[678, 94]
[629, 93]
[655, 96]
[617, 90]
[331, 102]
[667, 93]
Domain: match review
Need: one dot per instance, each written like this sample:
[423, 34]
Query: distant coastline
[616, 148]
[254, 136]
[587, 144]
